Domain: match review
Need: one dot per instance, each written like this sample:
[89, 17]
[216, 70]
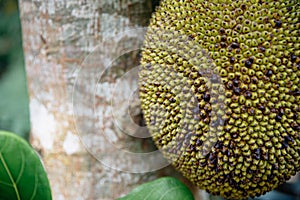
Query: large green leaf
[167, 188]
[22, 175]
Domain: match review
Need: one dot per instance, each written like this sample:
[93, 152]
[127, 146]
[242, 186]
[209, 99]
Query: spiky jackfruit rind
[220, 92]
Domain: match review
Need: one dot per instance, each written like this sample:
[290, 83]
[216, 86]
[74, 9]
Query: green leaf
[22, 175]
[167, 188]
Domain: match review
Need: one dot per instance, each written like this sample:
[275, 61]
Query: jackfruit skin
[220, 92]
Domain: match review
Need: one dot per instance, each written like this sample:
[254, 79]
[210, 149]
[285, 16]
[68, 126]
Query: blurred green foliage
[14, 111]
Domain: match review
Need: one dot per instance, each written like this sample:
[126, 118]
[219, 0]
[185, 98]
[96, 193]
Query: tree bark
[81, 58]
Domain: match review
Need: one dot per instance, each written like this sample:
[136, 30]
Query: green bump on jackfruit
[220, 91]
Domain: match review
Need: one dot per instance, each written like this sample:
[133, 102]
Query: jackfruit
[219, 86]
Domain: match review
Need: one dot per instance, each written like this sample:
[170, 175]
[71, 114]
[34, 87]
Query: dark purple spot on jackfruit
[232, 144]
[288, 139]
[192, 148]
[211, 156]
[232, 60]
[213, 161]
[266, 156]
[234, 45]
[278, 23]
[234, 135]
[271, 35]
[207, 108]
[223, 38]
[203, 115]
[296, 127]
[222, 30]
[172, 100]
[235, 82]
[278, 118]
[159, 140]
[269, 73]
[293, 58]
[223, 44]
[284, 144]
[218, 145]
[202, 164]
[261, 107]
[248, 94]
[244, 109]
[249, 171]
[281, 112]
[237, 91]
[251, 59]
[254, 80]
[238, 27]
[199, 142]
[206, 97]
[248, 63]
[261, 49]
[257, 154]
[270, 177]
[251, 111]
[295, 93]
[231, 182]
[229, 85]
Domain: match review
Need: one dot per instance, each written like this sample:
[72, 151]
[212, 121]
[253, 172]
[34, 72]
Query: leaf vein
[4, 145]
[6, 184]
[174, 188]
[151, 191]
[10, 176]
[22, 167]
[35, 187]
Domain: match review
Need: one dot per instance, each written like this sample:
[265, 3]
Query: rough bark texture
[69, 105]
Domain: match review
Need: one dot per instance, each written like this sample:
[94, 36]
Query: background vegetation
[14, 111]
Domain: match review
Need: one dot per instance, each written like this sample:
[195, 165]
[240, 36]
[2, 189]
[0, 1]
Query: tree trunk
[81, 58]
